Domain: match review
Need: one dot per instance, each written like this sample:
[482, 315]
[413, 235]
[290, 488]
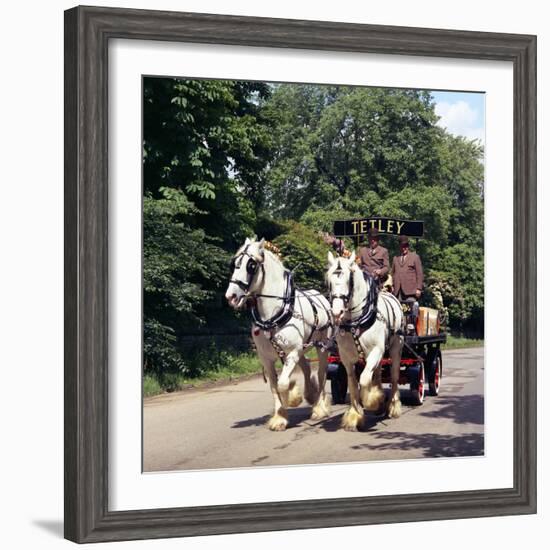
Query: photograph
[313, 274]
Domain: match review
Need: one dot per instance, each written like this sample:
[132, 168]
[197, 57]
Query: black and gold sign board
[390, 226]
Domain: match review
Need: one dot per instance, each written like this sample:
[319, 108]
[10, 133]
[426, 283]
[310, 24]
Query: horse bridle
[286, 311]
[344, 297]
[251, 269]
[368, 306]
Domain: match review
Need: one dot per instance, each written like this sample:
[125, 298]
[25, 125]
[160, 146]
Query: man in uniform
[374, 259]
[408, 276]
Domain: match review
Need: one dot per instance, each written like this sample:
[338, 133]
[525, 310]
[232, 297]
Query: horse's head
[340, 284]
[245, 268]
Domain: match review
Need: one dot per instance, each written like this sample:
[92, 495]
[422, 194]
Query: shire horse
[367, 322]
[286, 321]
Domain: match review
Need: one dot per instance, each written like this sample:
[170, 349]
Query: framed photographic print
[300, 278]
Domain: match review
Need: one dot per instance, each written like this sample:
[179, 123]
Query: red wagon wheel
[436, 383]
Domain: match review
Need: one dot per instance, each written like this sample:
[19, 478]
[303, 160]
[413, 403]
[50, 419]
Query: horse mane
[273, 257]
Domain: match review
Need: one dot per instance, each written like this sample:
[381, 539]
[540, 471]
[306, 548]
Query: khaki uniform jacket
[408, 275]
[374, 258]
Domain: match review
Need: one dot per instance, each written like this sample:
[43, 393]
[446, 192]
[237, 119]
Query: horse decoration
[286, 321]
[368, 322]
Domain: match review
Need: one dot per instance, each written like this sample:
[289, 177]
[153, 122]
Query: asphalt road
[224, 426]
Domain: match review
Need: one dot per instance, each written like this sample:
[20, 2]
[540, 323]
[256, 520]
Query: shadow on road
[433, 445]
[462, 409]
[258, 421]
[295, 417]
[334, 423]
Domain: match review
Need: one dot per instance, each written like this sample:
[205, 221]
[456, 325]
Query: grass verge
[458, 342]
[233, 367]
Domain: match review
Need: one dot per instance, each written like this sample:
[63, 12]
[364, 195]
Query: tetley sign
[391, 226]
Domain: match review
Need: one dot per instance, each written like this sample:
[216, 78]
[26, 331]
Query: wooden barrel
[427, 323]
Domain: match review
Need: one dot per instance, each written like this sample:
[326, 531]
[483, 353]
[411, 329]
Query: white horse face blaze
[338, 310]
[235, 295]
[339, 287]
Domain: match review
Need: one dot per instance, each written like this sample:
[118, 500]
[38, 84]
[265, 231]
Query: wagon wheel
[339, 385]
[418, 385]
[435, 383]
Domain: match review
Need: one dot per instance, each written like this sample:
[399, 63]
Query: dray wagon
[421, 360]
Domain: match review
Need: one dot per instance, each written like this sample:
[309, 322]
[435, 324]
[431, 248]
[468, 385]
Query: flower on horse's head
[268, 245]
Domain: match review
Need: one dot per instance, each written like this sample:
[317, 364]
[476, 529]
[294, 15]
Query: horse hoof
[381, 412]
[394, 410]
[350, 428]
[321, 409]
[277, 423]
[372, 399]
[318, 412]
[316, 415]
[278, 427]
[295, 397]
[352, 421]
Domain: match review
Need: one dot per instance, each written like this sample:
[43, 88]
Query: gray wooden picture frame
[87, 34]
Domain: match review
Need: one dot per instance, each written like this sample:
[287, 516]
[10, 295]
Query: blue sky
[462, 113]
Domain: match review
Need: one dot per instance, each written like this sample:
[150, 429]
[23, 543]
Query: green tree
[208, 139]
[178, 263]
[303, 252]
[335, 142]
[204, 152]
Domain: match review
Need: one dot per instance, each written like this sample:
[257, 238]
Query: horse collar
[368, 313]
[284, 314]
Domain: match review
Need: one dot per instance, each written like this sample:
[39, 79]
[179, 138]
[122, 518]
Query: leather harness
[369, 312]
[287, 310]
[369, 306]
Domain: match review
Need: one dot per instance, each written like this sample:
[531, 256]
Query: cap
[373, 232]
[403, 239]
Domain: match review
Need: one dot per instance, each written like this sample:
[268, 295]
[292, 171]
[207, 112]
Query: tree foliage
[204, 155]
[305, 254]
[207, 139]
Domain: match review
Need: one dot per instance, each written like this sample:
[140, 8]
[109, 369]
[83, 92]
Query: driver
[374, 258]
[408, 276]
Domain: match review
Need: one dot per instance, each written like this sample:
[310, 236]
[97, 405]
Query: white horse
[286, 322]
[366, 321]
